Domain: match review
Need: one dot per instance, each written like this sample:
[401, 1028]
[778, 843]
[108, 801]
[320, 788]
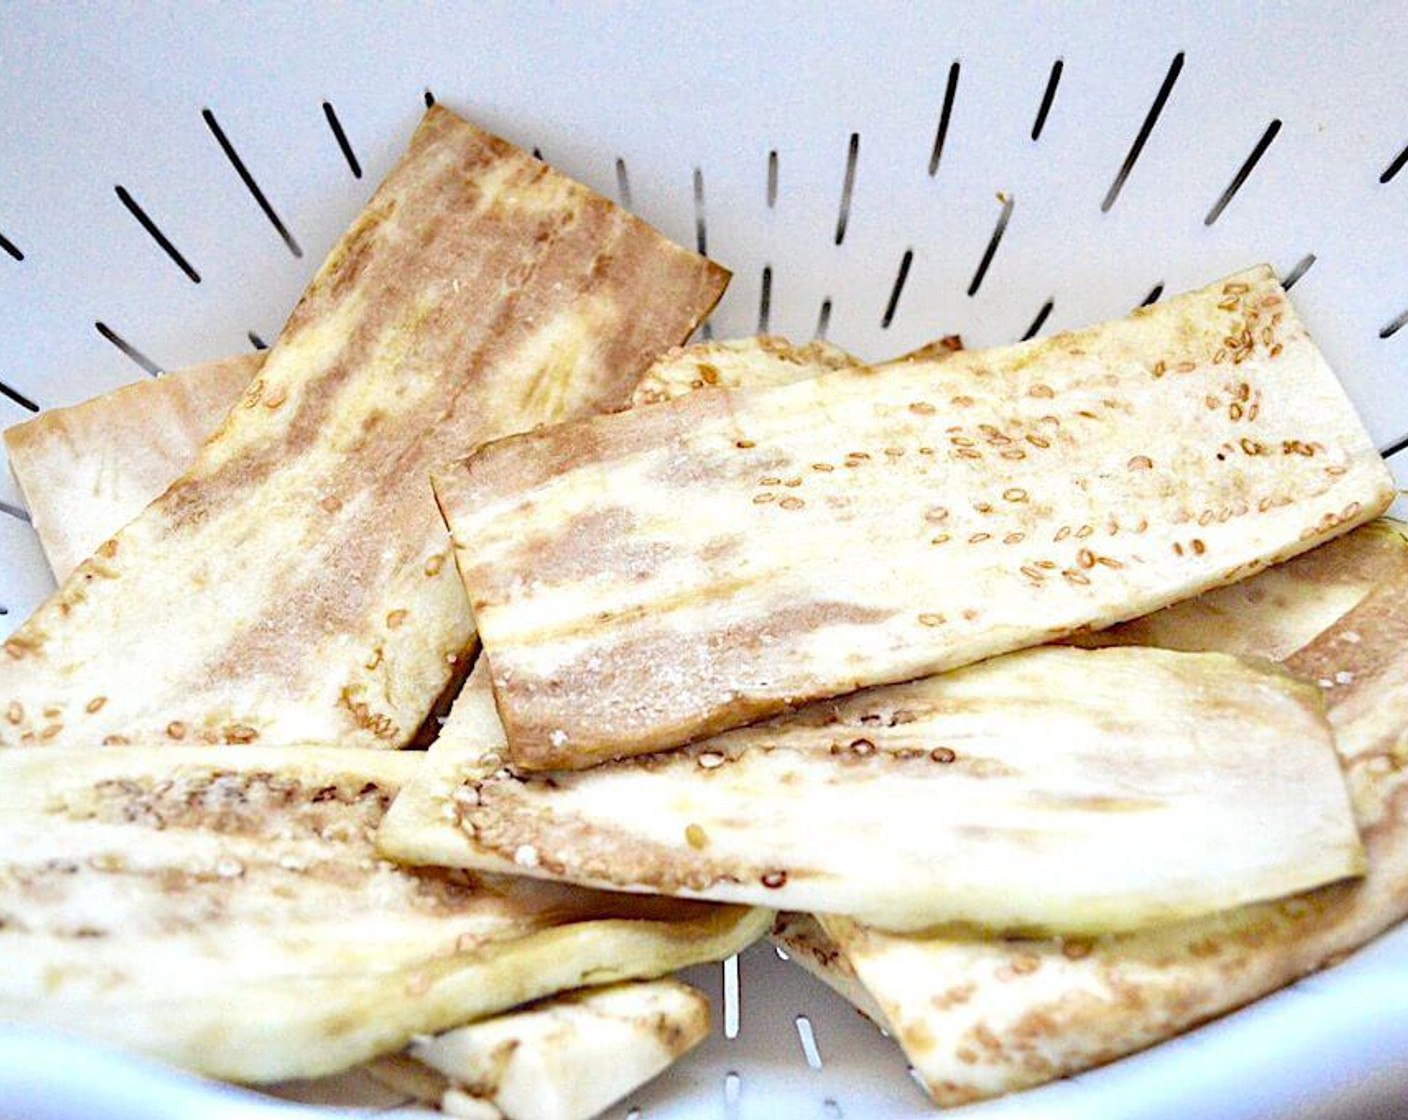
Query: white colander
[171, 175]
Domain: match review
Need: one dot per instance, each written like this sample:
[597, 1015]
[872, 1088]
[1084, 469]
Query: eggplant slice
[1028, 793]
[566, 1058]
[87, 470]
[227, 911]
[644, 579]
[295, 584]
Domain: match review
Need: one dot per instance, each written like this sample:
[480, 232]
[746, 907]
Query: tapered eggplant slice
[1056, 789]
[978, 1017]
[227, 911]
[645, 579]
[296, 584]
[566, 1058]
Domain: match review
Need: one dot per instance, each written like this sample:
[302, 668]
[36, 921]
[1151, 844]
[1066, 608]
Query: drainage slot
[898, 289]
[732, 1016]
[701, 232]
[993, 242]
[848, 184]
[807, 1037]
[10, 247]
[127, 348]
[144, 220]
[945, 113]
[1242, 172]
[257, 342]
[1047, 98]
[1394, 325]
[1302, 266]
[1039, 321]
[245, 177]
[429, 98]
[1150, 120]
[1394, 448]
[1395, 167]
[14, 511]
[341, 137]
[18, 397]
[823, 319]
[623, 183]
[765, 300]
[1154, 293]
[772, 178]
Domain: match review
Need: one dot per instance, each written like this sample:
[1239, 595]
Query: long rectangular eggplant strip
[295, 584]
[87, 470]
[644, 579]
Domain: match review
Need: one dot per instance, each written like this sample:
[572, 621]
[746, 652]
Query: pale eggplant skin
[565, 1058]
[296, 584]
[227, 911]
[646, 579]
[87, 470]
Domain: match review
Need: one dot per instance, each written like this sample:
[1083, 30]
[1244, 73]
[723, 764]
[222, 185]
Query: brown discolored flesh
[296, 584]
[645, 579]
[227, 911]
[87, 470]
[565, 1058]
[1073, 810]
[979, 1017]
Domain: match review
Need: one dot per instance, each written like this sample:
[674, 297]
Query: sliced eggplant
[87, 470]
[227, 911]
[644, 579]
[295, 584]
[566, 1058]
[979, 1017]
[1027, 793]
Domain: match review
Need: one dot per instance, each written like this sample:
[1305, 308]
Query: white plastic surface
[691, 100]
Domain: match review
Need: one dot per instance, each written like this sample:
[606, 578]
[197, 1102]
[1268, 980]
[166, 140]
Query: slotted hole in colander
[1151, 118]
[945, 115]
[1047, 98]
[155, 232]
[1394, 325]
[1003, 217]
[127, 348]
[765, 300]
[772, 178]
[1039, 321]
[848, 185]
[1248, 165]
[898, 289]
[1299, 269]
[623, 183]
[19, 398]
[251, 185]
[806, 1035]
[1395, 166]
[340, 135]
[823, 319]
[10, 247]
[256, 341]
[429, 97]
[1154, 295]
[733, 1012]
[14, 511]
